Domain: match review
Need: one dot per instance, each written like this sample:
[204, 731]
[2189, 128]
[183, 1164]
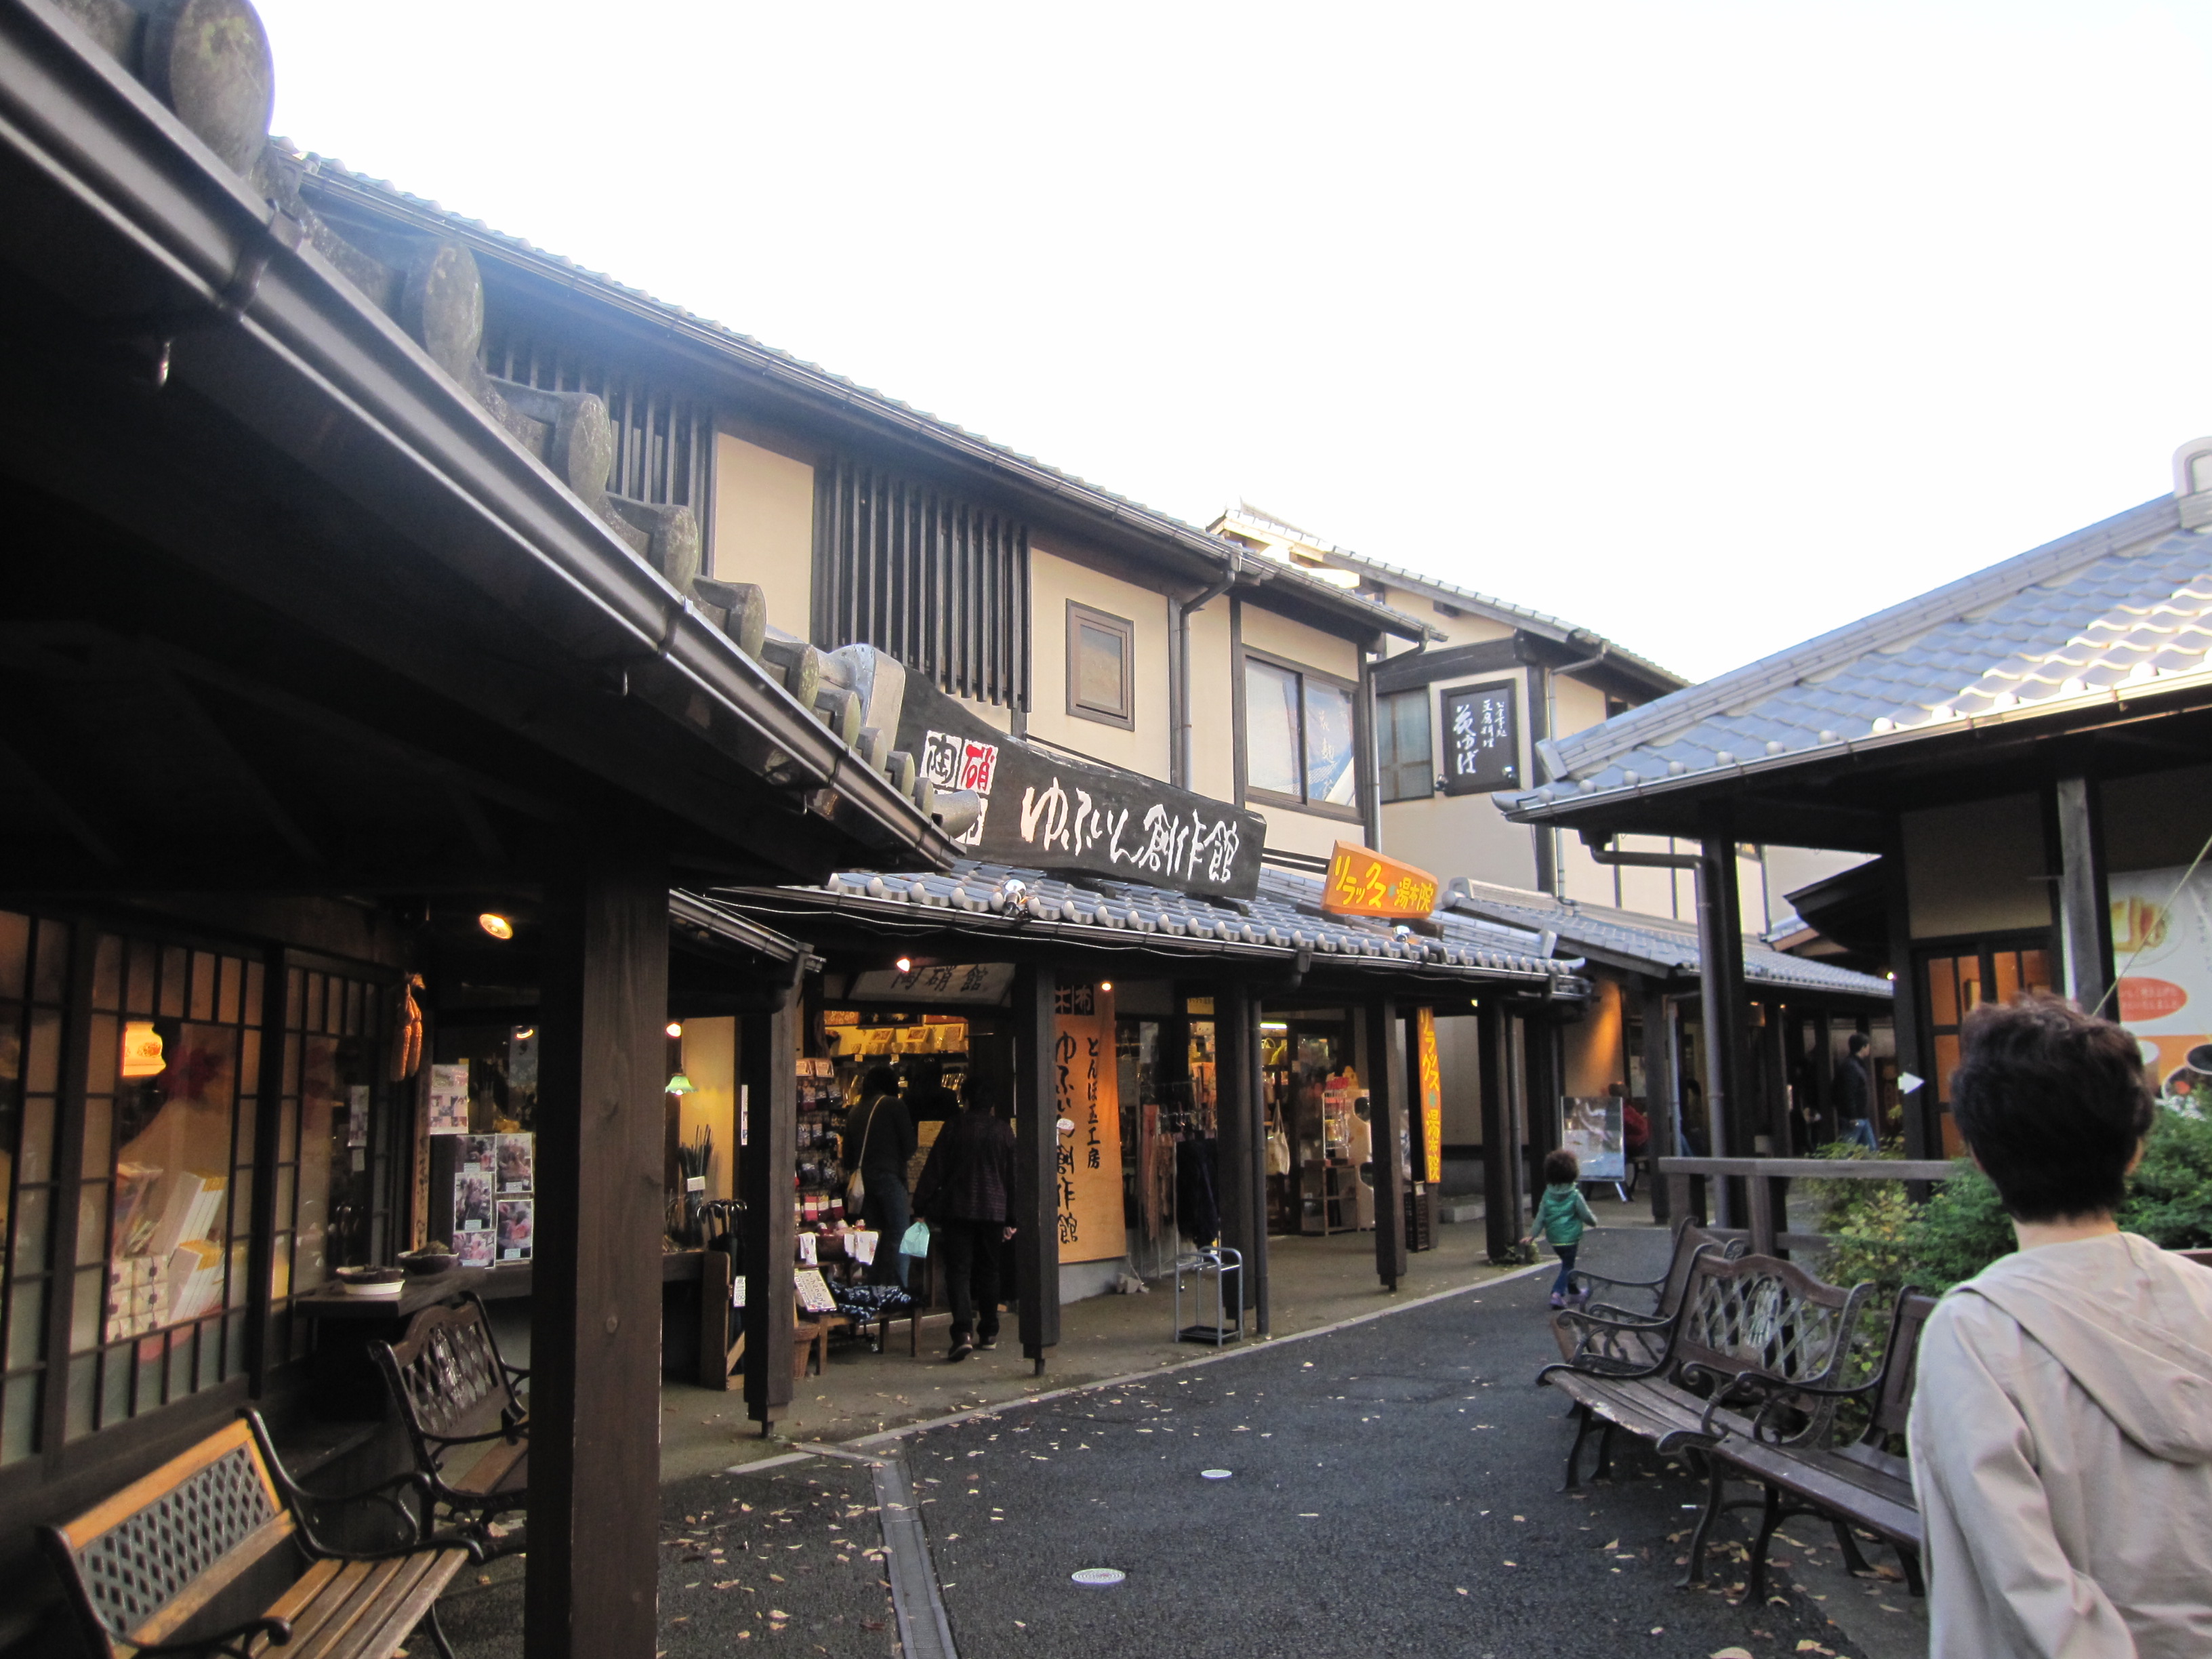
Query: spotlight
[676, 1028]
[905, 964]
[496, 924]
[1105, 984]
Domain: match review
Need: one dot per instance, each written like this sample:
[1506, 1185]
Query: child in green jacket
[1561, 1215]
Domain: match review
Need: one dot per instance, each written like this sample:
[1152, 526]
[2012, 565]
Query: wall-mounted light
[905, 964]
[496, 924]
[676, 1028]
[142, 1049]
[1105, 984]
[681, 1085]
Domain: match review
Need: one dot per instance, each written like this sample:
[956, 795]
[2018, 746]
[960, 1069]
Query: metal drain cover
[1214, 1474]
[1098, 1577]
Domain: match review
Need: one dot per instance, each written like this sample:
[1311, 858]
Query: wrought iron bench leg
[1604, 1469]
[1854, 1563]
[1910, 1561]
[1715, 1491]
[1754, 1578]
[1581, 1414]
[437, 1632]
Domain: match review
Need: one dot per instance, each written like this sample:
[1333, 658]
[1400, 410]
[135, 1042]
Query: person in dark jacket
[880, 1144]
[967, 1194]
[1855, 1093]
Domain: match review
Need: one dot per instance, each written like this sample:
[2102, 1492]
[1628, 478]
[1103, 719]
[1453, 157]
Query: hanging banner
[1432, 1096]
[1051, 811]
[1482, 743]
[1086, 1086]
[1361, 881]
[2162, 949]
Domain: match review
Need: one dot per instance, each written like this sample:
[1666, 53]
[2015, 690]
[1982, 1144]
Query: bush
[2169, 1198]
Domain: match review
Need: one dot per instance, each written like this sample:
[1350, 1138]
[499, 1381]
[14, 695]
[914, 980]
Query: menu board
[1086, 1086]
[1482, 739]
[1593, 1136]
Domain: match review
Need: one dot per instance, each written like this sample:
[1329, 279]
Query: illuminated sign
[1363, 883]
[1432, 1096]
[142, 1049]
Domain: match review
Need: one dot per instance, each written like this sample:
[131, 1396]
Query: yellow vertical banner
[1086, 1086]
[1432, 1096]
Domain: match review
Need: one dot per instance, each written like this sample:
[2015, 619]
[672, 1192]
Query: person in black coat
[967, 1194]
[1855, 1093]
[879, 1143]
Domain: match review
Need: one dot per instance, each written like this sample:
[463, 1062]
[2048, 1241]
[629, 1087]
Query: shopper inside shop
[966, 1194]
[878, 1142]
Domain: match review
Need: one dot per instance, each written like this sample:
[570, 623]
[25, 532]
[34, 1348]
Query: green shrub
[2170, 1198]
[1957, 1232]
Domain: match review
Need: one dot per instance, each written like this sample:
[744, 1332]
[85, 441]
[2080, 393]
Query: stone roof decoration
[2116, 605]
[1656, 943]
[210, 61]
[1282, 920]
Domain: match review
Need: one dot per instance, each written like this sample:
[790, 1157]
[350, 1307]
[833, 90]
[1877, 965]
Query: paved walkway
[1393, 1489]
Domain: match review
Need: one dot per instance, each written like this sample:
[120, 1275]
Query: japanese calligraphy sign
[1482, 739]
[1432, 1094]
[1363, 883]
[1086, 1086]
[1052, 812]
[966, 982]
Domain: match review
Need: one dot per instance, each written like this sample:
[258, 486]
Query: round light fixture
[676, 1028]
[905, 964]
[1105, 984]
[496, 924]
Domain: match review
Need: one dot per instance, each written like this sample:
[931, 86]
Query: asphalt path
[1393, 1488]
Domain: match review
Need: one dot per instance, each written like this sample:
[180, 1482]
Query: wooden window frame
[1080, 614]
[1301, 802]
[1385, 702]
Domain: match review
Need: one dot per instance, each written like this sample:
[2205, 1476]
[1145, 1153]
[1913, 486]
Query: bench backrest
[1900, 1367]
[140, 1565]
[1757, 1313]
[444, 1374]
[1690, 1237]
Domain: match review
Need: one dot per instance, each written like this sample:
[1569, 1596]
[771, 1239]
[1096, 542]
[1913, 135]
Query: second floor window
[1101, 666]
[1403, 755]
[1299, 738]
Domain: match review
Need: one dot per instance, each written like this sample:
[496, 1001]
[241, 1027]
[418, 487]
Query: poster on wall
[449, 1099]
[2162, 949]
[1482, 739]
[1594, 1135]
[1432, 1096]
[1086, 1086]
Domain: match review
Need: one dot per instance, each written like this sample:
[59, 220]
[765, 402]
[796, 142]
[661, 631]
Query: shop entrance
[1317, 1131]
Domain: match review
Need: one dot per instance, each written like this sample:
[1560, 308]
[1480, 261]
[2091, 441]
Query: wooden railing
[1766, 1181]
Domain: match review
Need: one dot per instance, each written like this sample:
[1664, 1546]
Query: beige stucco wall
[2158, 820]
[1463, 629]
[1459, 1060]
[764, 528]
[1054, 580]
[1787, 868]
[710, 1061]
[1213, 684]
[1977, 868]
[1293, 831]
[1293, 641]
[1594, 1059]
[1452, 836]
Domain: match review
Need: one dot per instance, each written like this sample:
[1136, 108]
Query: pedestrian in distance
[878, 1147]
[966, 1194]
[1561, 1215]
[2061, 1430]
[1855, 1093]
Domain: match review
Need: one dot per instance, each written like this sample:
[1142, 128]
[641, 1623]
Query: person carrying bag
[878, 1183]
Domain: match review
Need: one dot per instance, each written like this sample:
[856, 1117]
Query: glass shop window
[34, 970]
[159, 1291]
[1299, 737]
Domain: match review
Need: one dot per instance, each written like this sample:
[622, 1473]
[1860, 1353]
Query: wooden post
[767, 1054]
[1037, 1162]
[1919, 1106]
[1500, 1157]
[1386, 1097]
[1240, 1116]
[1819, 1078]
[2085, 908]
[595, 1312]
[1720, 978]
[1774, 1066]
[1658, 1085]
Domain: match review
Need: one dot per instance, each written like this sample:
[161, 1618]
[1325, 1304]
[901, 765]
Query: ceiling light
[676, 1028]
[1105, 984]
[681, 1085]
[905, 964]
[496, 924]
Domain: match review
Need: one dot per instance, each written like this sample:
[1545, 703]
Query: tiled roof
[1666, 945]
[851, 392]
[1277, 922]
[1504, 610]
[2122, 602]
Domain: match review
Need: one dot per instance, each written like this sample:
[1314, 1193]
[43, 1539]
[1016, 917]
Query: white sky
[1709, 326]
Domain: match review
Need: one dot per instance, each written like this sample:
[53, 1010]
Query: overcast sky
[1708, 326]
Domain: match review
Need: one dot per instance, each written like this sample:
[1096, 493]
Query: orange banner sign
[1432, 1096]
[1363, 883]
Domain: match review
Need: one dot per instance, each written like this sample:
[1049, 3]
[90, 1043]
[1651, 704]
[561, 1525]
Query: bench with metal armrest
[1631, 1334]
[145, 1571]
[466, 1419]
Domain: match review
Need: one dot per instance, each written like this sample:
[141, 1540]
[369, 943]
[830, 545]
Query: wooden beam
[1036, 1162]
[2084, 903]
[595, 1314]
[1721, 989]
[48, 798]
[251, 784]
[1386, 1095]
[768, 1076]
[1658, 1082]
[1240, 1119]
[1920, 1129]
[1500, 1155]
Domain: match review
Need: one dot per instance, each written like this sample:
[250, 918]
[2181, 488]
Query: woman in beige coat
[2062, 1421]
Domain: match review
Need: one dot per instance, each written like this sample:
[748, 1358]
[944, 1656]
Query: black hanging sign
[1482, 739]
[1049, 811]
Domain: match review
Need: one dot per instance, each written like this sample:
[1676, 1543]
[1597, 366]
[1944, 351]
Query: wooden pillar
[1386, 1097]
[1819, 1078]
[1774, 1075]
[1720, 950]
[595, 1312]
[1241, 1146]
[1920, 1130]
[1658, 1082]
[2085, 909]
[768, 1051]
[1501, 1156]
[1037, 1162]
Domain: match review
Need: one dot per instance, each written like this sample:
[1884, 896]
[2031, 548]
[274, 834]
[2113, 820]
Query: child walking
[1561, 1215]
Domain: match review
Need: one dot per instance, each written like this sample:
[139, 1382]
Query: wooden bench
[455, 1395]
[1621, 1332]
[1752, 1315]
[1854, 1482]
[147, 1570]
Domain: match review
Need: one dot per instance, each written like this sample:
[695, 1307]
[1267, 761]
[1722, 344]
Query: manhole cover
[1098, 1577]
[1214, 1474]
